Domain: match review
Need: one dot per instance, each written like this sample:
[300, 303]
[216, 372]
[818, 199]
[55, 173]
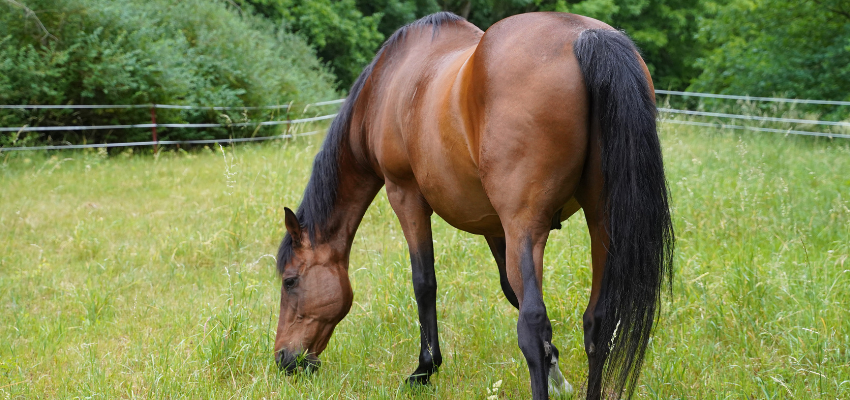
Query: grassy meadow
[133, 276]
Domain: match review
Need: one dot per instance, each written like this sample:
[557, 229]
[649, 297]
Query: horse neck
[358, 186]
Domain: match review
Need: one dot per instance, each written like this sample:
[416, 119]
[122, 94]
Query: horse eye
[289, 283]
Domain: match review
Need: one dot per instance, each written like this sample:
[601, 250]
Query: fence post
[288, 124]
[153, 129]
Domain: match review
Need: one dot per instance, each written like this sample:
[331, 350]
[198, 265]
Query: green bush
[343, 37]
[190, 52]
[789, 48]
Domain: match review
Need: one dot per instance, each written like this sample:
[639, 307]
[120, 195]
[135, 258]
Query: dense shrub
[189, 52]
[343, 37]
[789, 48]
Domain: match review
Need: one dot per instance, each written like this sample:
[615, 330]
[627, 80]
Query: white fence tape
[338, 101]
[98, 145]
[324, 103]
[756, 129]
[74, 106]
[158, 106]
[754, 118]
[102, 127]
[736, 97]
[174, 107]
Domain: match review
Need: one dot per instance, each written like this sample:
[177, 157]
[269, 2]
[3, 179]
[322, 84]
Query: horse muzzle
[290, 363]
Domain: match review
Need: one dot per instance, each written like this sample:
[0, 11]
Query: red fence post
[153, 129]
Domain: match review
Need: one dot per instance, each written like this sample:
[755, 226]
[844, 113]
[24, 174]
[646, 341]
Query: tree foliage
[346, 33]
[664, 30]
[778, 47]
[148, 51]
[342, 36]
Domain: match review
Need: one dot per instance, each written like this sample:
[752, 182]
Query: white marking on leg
[558, 385]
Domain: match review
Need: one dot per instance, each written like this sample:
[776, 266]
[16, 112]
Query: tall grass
[134, 276]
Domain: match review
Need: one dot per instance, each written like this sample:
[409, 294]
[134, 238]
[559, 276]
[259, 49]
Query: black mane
[321, 192]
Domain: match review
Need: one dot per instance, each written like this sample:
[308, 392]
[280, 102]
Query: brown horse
[503, 134]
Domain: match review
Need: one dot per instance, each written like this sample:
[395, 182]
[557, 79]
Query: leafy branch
[840, 10]
[31, 14]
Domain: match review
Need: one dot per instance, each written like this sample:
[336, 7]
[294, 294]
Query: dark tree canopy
[784, 47]
[346, 33]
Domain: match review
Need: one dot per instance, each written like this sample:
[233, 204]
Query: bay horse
[503, 134]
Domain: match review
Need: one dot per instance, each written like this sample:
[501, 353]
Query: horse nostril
[286, 361]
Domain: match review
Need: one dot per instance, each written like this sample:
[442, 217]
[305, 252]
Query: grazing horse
[504, 134]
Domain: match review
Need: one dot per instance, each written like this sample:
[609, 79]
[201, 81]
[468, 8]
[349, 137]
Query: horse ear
[292, 226]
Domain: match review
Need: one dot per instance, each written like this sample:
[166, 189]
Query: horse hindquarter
[532, 155]
[564, 122]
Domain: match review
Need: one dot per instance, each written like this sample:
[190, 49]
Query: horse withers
[504, 134]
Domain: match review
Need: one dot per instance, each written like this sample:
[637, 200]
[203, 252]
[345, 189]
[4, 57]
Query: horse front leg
[414, 214]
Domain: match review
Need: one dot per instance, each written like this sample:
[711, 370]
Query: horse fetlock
[437, 361]
[592, 322]
[416, 379]
[422, 375]
[429, 364]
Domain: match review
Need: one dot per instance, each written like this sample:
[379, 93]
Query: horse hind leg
[525, 244]
[527, 210]
[595, 343]
[534, 331]
[558, 385]
[589, 196]
[497, 247]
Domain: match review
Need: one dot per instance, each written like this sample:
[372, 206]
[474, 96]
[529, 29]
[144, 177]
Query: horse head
[315, 296]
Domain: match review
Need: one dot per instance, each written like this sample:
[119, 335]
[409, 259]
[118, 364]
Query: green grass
[133, 276]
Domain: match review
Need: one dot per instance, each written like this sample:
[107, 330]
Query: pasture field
[131, 276]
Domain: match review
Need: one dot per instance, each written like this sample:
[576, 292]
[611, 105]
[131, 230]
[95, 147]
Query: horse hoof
[558, 385]
[418, 380]
[562, 391]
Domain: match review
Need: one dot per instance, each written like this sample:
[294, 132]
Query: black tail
[635, 197]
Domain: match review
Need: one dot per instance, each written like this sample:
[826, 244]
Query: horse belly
[443, 161]
[458, 197]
